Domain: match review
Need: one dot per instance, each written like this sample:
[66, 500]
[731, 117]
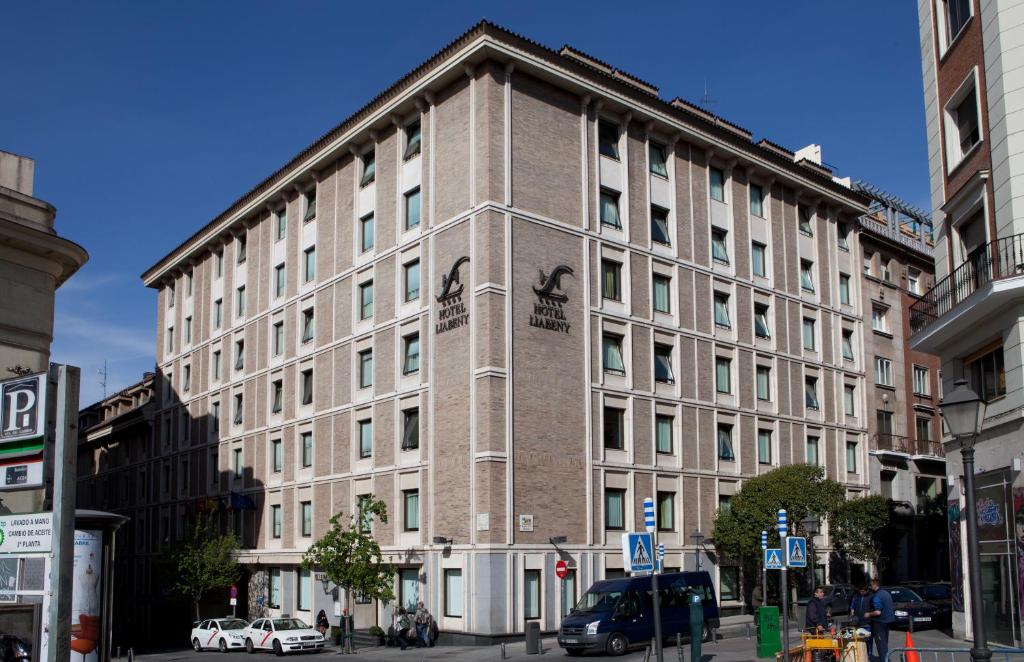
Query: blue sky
[146, 119]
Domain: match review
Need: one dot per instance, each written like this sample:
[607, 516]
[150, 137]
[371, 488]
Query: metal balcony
[892, 443]
[929, 448]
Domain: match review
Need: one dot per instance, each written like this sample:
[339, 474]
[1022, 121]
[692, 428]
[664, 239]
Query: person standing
[815, 618]
[882, 617]
[404, 629]
[422, 619]
[756, 597]
[859, 608]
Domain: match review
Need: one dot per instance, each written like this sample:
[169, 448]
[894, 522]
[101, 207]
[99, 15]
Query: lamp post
[697, 538]
[964, 412]
[810, 526]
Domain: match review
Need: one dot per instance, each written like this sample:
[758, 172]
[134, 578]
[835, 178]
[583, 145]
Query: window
[811, 392]
[218, 263]
[611, 280]
[723, 375]
[725, 503]
[531, 594]
[884, 421]
[764, 447]
[241, 249]
[410, 429]
[218, 313]
[659, 225]
[656, 159]
[306, 441]
[215, 418]
[412, 280]
[277, 396]
[188, 329]
[310, 197]
[411, 509]
[662, 293]
[920, 380]
[717, 184]
[412, 140]
[366, 300]
[239, 354]
[841, 233]
[279, 275]
[880, 319]
[275, 521]
[725, 451]
[278, 338]
[663, 364]
[764, 388]
[453, 592]
[666, 511]
[412, 209]
[307, 531]
[923, 428]
[758, 259]
[608, 139]
[722, 311]
[851, 457]
[309, 268]
[614, 428]
[756, 200]
[308, 325]
[957, 12]
[987, 374]
[806, 278]
[844, 289]
[848, 344]
[761, 321]
[366, 232]
[962, 129]
[307, 387]
[914, 281]
[171, 289]
[883, 371]
[809, 340]
[365, 518]
[369, 168]
[663, 434]
[366, 368]
[614, 509]
[849, 401]
[812, 450]
[729, 585]
[281, 227]
[236, 463]
[411, 361]
[719, 250]
[612, 352]
[216, 364]
[365, 438]
[186, 378]
[610, 208]
[240, 303]
[804, 215]
[274, 597]
[869, 267]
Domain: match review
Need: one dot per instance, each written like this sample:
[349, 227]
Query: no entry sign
[561, 569]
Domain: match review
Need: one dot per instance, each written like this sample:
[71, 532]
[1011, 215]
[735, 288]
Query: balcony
[928, 448]
[892, 443]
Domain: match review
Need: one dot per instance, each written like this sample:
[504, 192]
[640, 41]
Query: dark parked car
[909, 605]
[939, 594]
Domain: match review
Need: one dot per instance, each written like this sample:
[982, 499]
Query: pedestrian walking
[882, 617]
[322, 624]
[859, 608]
[815, 617]
[405, 632]
[422, 619]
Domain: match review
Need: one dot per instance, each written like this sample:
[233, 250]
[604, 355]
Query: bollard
[131, 655]
[696, 628]
[532, 638]
[647, 654]
[119, 652]
[679, 646]
[503, 656]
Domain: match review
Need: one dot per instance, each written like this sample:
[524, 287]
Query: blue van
[617, 613]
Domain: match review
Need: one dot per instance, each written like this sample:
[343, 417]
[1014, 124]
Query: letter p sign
[21, 411]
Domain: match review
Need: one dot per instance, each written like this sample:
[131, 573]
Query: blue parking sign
[796, 552]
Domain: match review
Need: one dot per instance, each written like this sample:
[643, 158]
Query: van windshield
[594, 601]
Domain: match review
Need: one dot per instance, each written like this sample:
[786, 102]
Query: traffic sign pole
[650, 523]
[783, 533]
[764, 569]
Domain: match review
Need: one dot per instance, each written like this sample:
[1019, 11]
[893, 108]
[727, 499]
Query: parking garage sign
[22, 415]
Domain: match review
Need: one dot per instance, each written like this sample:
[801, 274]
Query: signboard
[796, 552]
[638, 552]
[525, 523]
[561, 569]
[32, 532]
[772, 559]
[233, 591]
[86, 606]
[233, 602]
[22, 416]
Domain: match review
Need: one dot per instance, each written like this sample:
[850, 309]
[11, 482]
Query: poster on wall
[86, 595]
[1018, 539]
[956, 566]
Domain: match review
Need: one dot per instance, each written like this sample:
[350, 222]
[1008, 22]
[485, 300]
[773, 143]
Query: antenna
[706, 100]
[103, 378]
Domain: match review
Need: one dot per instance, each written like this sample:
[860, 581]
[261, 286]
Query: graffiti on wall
[1018, 538]
[956, 565]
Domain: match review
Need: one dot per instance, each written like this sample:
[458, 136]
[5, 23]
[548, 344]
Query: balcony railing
[928, 447]
[1002, 258]
[892, 442]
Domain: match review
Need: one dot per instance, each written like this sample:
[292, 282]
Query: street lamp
[964, 411]
[697, 538]
[810, 526]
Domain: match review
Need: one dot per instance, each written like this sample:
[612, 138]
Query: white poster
[86, 596]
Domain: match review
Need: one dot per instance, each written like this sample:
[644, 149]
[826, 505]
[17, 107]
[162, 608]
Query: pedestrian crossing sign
[773, 559]
[796, 552]
[638, 552]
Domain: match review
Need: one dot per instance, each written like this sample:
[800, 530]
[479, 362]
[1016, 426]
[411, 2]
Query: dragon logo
[550, 282]
[451, 279]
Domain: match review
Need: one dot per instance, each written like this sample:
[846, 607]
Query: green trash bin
[769, 639]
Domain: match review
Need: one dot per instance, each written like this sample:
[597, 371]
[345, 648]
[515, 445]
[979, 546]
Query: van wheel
[617, 644]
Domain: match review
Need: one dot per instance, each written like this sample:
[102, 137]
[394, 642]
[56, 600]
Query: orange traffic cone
[911, 654]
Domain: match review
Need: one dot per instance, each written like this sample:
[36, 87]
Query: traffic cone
[911, 654]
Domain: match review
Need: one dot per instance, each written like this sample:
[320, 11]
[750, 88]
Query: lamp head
[963, 411]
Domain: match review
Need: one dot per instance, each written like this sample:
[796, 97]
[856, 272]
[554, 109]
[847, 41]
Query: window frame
[720, 246]
[368, 166]
[620, 493]
[663, 360]
[606, 147]
[365, 368]
[411, 195]
[659, 221]
[616, 341]
[614, 269]
[811, 399]
[407, 270]
[807, 275]
[413, 134]
[712, 171]
[726, 363]
[367, 233]
[407, 495]
[309, 264]
[659, 420]
[613, 427]
[766, 456]
[665, 281]
[884, 372]
[758, 199]
[656, 148]
[725, 442]
[364, 430]
[756, 248]
[609, 199]
[365, 305]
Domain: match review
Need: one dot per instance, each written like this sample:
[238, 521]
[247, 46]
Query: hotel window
[756, 200]
[412, 209]
[717, 184]
[241, 249]
[608, 139]
[914, 281]
[218, 313]
[849, 401]
[277, 396]
[240, 296]
[811, 392]
[411, 360]
[880, 319]
[656, 159]
[275, 521]
[812, 450]
[809, 339]
[412, 280]
[761, 321]
[307, 531]
[722, 311]
[844, 289]
[239, 354]
[236, 463]
[725, 451]
[279, 275]
[306, 439]
[531, 594]
[369, 168]
[186, 378]
[366, 300]
[410, 429]
[278, 338]
[848, 344]
[841, 233]
[659, 226]
[413, 138]
[663, 434]
[962, 129]
[366, 368]
[308, 325]
[307, 387]
[614, 509]
[663, 364]
[274, 597]
[611, 280]
[666, 511]
[453, 593]
[281, 227]
[309, 270]
[171, 295]
[764, 447]
[987, 374]
[188, 329]
[923, 428]
[366, 233]
[218, 263]
[883, 371]
[719, 250]
[612, 352]
[662, 293]
[806, 279]
[610, 209]
[723, 375]
[215, 418]
[365, 438]
[851, 457]
[310, 197]
[757, 257]
[764, 383]
[884, 421]
[920, 380]
[804, 215]
[614, 428]
[411, 507]
[957, 13]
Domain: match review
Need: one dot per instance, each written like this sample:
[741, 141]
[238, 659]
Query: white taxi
[282, 635]
[224, 634]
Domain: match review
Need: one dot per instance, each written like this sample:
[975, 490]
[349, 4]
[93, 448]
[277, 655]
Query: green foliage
[204, 561]
[799, 488]
[856, 524]
[350, 557]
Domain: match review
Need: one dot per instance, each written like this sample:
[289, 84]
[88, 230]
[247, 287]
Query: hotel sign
[548, 312]
[22, 416]
[453, 313]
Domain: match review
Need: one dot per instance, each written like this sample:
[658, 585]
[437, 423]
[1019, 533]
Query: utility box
[769, 640]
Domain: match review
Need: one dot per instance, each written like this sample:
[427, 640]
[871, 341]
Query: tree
[204, 561]
[855, 526]
[349, 556]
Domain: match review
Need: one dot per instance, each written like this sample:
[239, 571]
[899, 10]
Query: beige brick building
[512, 296]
